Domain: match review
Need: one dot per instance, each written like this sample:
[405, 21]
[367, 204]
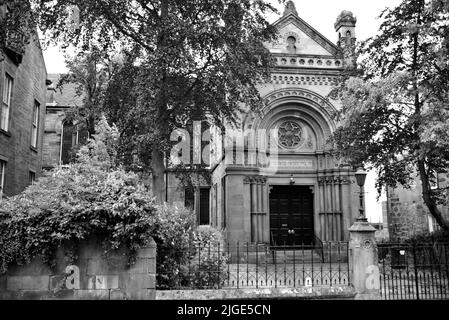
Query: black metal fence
[249, 265]
[414, 271]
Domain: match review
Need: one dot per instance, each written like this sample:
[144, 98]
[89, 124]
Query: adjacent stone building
[406, 213]
[309, 195]
[60, 136]
[23, 78]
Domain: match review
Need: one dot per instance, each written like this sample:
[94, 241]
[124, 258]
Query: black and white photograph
[223, 156]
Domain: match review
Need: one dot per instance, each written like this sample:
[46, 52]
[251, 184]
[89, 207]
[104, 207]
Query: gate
[414, 271]
[253, 266]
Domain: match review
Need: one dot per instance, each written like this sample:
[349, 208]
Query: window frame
[2, 177]
[7, 94]
[199, 212]
[35, 125]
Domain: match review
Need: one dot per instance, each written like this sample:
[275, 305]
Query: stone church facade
[310, 195]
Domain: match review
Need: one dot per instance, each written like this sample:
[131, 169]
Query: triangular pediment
[308, 40]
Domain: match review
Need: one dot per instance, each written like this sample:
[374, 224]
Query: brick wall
[91, 277]
[15, 146]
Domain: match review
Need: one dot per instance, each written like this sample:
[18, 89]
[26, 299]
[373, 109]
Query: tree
[394, 114]
[90, 71]
[193, 60]
[17, 26]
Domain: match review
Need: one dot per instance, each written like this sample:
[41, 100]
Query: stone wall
[300, 293]
[91, 277]
[407, 219]
[407, 215]
[15, 145]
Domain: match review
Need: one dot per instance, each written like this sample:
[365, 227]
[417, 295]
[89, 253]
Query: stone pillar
[140, 280]
[253, 211]
[266, 218]
[346, 207]
[321, 209]
[364, 261]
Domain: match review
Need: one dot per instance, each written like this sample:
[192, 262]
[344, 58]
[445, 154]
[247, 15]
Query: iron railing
[318, 246]
[250, 265]
[414, 271]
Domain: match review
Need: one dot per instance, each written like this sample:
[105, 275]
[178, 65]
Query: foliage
[395, 112]
[92, 197]
[17, 26]
[186, 59]
[198, 262]
[430, 238]
[209, 259]
[89, 72]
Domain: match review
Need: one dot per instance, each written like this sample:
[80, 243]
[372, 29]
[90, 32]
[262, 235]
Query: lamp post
[292, 180]
[360, 176]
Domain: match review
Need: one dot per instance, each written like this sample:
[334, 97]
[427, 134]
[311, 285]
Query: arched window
[72, 136]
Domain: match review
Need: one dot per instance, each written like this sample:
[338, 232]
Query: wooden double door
[291, 215]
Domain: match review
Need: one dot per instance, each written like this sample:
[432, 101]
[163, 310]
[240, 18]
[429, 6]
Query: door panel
[291, 215]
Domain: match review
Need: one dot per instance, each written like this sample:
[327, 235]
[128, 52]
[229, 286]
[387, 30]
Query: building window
[202, 209]
[189, 198]
[32, 177]
[290, 134]
[35, 127]
[2, 177]
[204, 214]
[223, 202]
[73, 135]
[216, 205]
[6, 103]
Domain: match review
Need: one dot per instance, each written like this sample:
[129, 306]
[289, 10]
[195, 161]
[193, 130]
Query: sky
[320, 14]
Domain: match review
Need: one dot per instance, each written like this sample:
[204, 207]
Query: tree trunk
[157, 157]
[158, 171]
[428, 199]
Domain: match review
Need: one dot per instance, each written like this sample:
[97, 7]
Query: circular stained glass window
[290, 134]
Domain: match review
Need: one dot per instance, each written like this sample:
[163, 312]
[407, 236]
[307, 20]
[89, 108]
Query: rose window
[290, 134]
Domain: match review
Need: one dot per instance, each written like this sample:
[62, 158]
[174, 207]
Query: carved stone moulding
[255, 180]
[333, 180]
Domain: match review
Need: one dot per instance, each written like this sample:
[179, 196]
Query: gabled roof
[291, 16]
[65, 96]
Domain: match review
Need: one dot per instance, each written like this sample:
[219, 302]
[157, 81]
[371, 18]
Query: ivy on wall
[92, 197]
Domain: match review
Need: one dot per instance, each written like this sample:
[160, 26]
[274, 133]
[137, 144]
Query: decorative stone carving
[333, 180]
[290, 134]
[255, 180]
[322, 102]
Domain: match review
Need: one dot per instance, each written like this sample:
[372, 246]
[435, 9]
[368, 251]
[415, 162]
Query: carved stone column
[322, 207]
[256, 186]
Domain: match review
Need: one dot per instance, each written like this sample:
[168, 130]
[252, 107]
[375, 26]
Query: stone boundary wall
[300, 293]
[92, 277]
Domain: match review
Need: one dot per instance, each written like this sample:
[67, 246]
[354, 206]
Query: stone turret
[290, 8]
[345, 28]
